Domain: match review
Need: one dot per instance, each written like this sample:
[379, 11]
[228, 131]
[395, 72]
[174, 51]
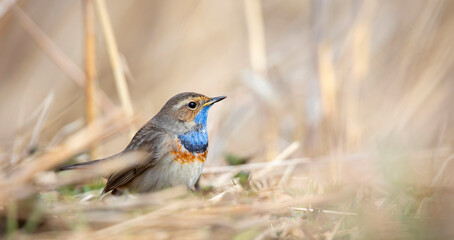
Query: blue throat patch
[196, 140]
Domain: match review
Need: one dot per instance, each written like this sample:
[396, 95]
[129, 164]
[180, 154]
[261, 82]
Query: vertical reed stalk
[115, 60]
[60, 59]
[256, 34]
[90, 68]
[257, 58]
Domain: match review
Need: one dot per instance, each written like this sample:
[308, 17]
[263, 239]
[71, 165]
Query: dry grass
[338, 122]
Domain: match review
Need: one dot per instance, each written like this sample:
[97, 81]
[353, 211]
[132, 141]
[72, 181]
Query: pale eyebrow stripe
[177, 106]
[186, 101]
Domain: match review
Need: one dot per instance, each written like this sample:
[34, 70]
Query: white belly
[167, 173]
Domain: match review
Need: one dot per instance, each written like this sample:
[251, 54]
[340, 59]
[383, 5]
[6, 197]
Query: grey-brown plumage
[173, 147]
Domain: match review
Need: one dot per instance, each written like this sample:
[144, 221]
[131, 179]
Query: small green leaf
[247, 234]
[243, 177]
[234, 160]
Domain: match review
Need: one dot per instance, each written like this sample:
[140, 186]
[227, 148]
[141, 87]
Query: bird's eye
[192, 105]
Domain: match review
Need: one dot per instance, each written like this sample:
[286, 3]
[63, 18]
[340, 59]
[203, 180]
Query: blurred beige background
[360, 93]
[341, 75]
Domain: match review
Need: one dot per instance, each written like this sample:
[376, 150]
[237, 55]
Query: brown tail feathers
[76, 166]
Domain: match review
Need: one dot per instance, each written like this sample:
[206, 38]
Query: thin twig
[58, 56]
[437, 177]
[325, 211]
[45, 107]
[253, 166]
[73, 145]
[287, 174]
[336, 229]
[65, 131]
[283, 155]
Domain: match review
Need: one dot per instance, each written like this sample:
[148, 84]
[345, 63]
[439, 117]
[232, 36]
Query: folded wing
[149, 141]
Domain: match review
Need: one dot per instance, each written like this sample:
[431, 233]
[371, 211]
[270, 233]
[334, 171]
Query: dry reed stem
[259, 65]
[62, 61]
[287, 174]
[58, 56]
[19, 139]
[325, 211]
[45, 108]
[90, 68]
[52, 182]
[5, 6]
[381, 199]
[357, 47]
[65, 131]
[71, 146]
[40, 114]
[160, 198]
[425, 83]
[262, 87]
[143, 220]
[281, 227]
[103, 168]
[254, 166]
[437, 177]
[256, 33]
[331, 235]
[232, 189]
[115, 60]
[189, 208]
[328, 82]
[281, 157]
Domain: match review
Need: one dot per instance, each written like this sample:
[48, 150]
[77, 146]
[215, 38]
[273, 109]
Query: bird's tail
[77, 165]
[85, 164]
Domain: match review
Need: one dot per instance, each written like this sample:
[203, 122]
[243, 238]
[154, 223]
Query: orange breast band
[182, 155]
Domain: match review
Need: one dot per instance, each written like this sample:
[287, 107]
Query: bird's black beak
[214, 100]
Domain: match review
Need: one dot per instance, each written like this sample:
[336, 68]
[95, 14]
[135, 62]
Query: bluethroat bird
[175, 143]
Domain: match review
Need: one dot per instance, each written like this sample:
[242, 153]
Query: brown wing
[148, 140]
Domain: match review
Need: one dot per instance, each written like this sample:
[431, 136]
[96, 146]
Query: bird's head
[187, 110]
